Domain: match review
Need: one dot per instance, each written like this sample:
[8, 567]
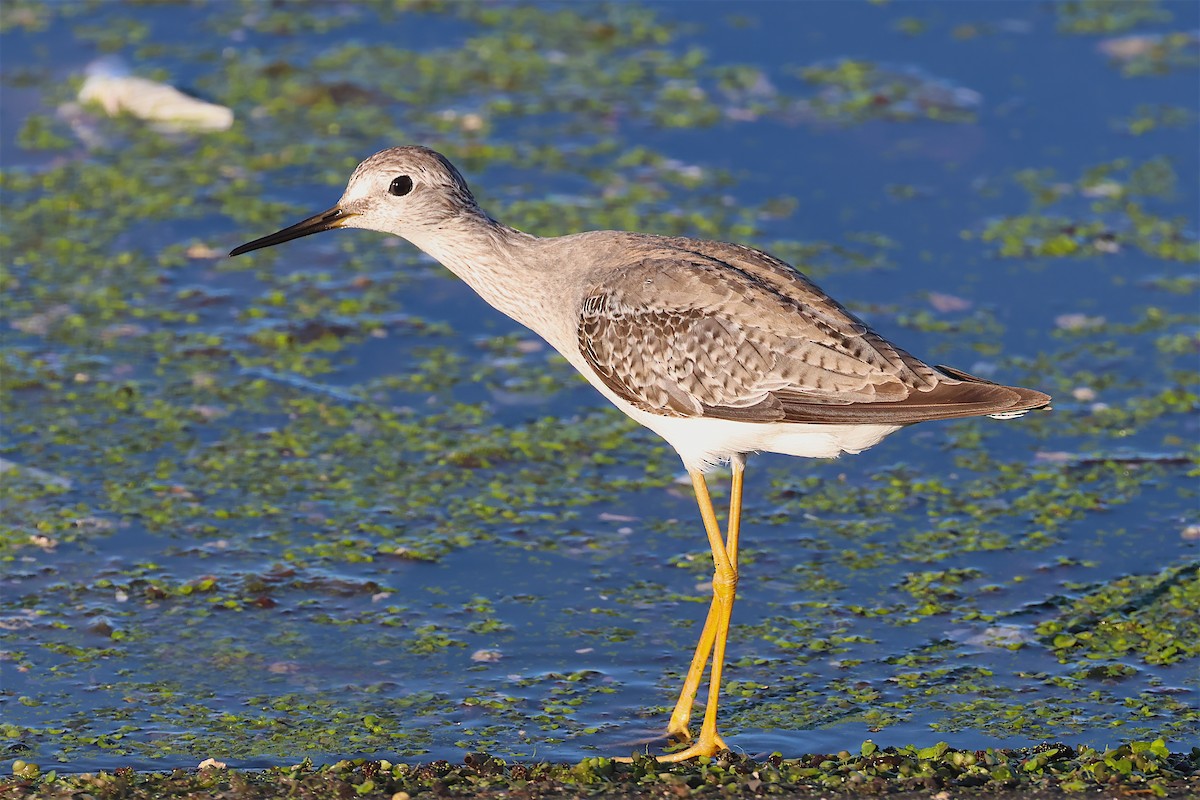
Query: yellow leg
[716, 626]
[738, 465]
[678, 726]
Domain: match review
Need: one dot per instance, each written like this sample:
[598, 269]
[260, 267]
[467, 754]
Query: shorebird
[721, 349]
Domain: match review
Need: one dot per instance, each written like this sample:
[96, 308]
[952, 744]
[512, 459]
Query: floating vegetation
[1108, 16]
[1152, 617]
[854, 91]
[1145, 55]
[1147, 119]
[1138, 767]
[1118, 217]
[322, 502]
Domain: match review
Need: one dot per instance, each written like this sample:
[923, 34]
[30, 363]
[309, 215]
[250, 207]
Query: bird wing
[685, 332]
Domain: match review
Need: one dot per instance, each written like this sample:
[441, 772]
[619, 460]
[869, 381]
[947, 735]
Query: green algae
[1156, 55]
[854, 91]
[1147, 119]
[1048, 770]
[1151, 617]
[1108, 16]
[1118, 217]
[310, 414]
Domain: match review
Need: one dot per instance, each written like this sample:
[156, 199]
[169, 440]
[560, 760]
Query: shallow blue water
[598, 593]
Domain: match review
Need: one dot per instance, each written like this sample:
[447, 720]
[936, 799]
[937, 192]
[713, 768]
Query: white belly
[703, 443]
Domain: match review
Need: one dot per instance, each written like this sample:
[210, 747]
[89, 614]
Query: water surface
[321, 501]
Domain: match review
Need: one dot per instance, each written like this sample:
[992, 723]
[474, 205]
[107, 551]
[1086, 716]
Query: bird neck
[492, 258]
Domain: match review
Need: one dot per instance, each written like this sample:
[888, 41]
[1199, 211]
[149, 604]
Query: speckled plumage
[710, 329]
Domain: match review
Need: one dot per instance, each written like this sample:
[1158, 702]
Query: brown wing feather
[682, 333]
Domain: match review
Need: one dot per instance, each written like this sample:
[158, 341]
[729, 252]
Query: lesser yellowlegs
[720, 349]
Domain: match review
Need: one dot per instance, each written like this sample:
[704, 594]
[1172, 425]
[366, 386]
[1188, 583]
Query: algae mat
[1140, 768]
[321, 502]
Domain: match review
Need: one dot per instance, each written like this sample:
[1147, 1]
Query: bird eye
[401, 186]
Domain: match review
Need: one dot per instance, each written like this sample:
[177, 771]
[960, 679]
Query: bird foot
[679, 733]
[677, 728]
[704, 746]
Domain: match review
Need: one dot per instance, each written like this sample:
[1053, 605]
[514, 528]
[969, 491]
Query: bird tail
[1026, 400]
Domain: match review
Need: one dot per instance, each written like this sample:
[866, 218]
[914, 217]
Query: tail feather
[963, 395]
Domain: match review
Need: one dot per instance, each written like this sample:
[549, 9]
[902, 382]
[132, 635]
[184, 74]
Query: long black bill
[326, 220]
